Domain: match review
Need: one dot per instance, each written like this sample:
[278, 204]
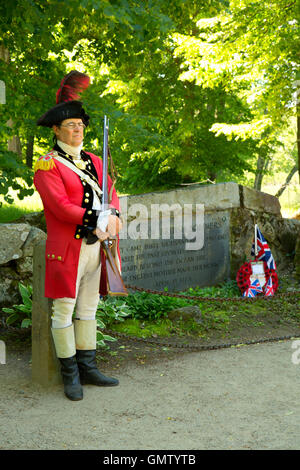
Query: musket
[115, 284]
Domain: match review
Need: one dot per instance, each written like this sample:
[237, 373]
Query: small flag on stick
[269, 289]
[254, 289]
[261, 250]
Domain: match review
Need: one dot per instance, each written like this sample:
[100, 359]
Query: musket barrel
[105, 164]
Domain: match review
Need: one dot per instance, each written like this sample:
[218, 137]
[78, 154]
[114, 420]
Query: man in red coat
[75, 225]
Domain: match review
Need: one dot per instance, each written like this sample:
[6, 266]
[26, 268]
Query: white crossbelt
[79, 173]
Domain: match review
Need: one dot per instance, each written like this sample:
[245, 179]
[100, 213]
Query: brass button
[59, 258]
[86, 220]
[48, 256]
[89, 212]
[87, 194]
[83, 183]
[86, 200]
[53, 256]
[77, 236]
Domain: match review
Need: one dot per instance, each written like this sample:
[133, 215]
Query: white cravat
[74, 152]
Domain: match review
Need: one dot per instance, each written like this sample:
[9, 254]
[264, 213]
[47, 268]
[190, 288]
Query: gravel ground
[237, 398]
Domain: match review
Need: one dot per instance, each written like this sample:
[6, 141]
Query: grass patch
[11, 212]
[144, 329]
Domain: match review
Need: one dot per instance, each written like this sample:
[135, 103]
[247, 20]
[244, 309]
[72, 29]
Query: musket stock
[115, 284]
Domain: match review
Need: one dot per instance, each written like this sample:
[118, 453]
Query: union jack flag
[269, 289]
[254, 289]
[264, 252]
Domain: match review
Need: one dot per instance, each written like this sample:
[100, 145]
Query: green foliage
[152, 306]
[14, 174]
[194, 90]
[20, 315]
[140, 305]
[250, 50]
[111, 309]
[225, 290]
[144, 306]
[108, 311]
[41, 41]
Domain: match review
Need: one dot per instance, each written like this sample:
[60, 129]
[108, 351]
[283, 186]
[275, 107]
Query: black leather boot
[71, 379]
[64, 341]
[89, 374]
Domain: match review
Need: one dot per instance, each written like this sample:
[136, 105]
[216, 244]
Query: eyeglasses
[73, 125]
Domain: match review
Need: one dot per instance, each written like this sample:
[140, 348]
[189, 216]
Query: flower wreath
[245, 271]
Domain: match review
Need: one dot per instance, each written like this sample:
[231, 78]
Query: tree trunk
[29, 151]
[262, 163]
[298, 135]
[13, 144]
[4, 53]
[287, 181]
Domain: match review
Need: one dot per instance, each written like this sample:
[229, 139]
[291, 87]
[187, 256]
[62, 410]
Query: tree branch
[287, 181]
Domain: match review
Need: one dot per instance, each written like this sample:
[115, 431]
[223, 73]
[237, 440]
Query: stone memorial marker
[159, 250]
[155, 264]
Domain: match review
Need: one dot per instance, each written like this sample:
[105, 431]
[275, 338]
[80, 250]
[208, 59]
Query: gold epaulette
[46, 162]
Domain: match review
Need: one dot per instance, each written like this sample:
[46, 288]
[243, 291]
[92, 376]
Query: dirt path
[236, 398]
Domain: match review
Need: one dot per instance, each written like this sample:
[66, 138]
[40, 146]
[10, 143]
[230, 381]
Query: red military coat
[62, 193]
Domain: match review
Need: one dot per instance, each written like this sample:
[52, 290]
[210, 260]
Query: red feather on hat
[71, 86]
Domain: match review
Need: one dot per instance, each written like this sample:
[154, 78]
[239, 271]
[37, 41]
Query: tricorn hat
[67, 106]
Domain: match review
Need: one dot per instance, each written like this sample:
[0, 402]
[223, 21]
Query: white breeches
[87, 289]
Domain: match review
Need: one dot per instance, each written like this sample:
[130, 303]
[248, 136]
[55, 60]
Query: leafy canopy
[195, 90]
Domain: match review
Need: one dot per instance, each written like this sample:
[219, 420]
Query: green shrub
[226, 289]
[20, 315]
[112, 309]
[152, 306]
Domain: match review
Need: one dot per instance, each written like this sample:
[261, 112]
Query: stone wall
[16, 256]
[280, 233]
